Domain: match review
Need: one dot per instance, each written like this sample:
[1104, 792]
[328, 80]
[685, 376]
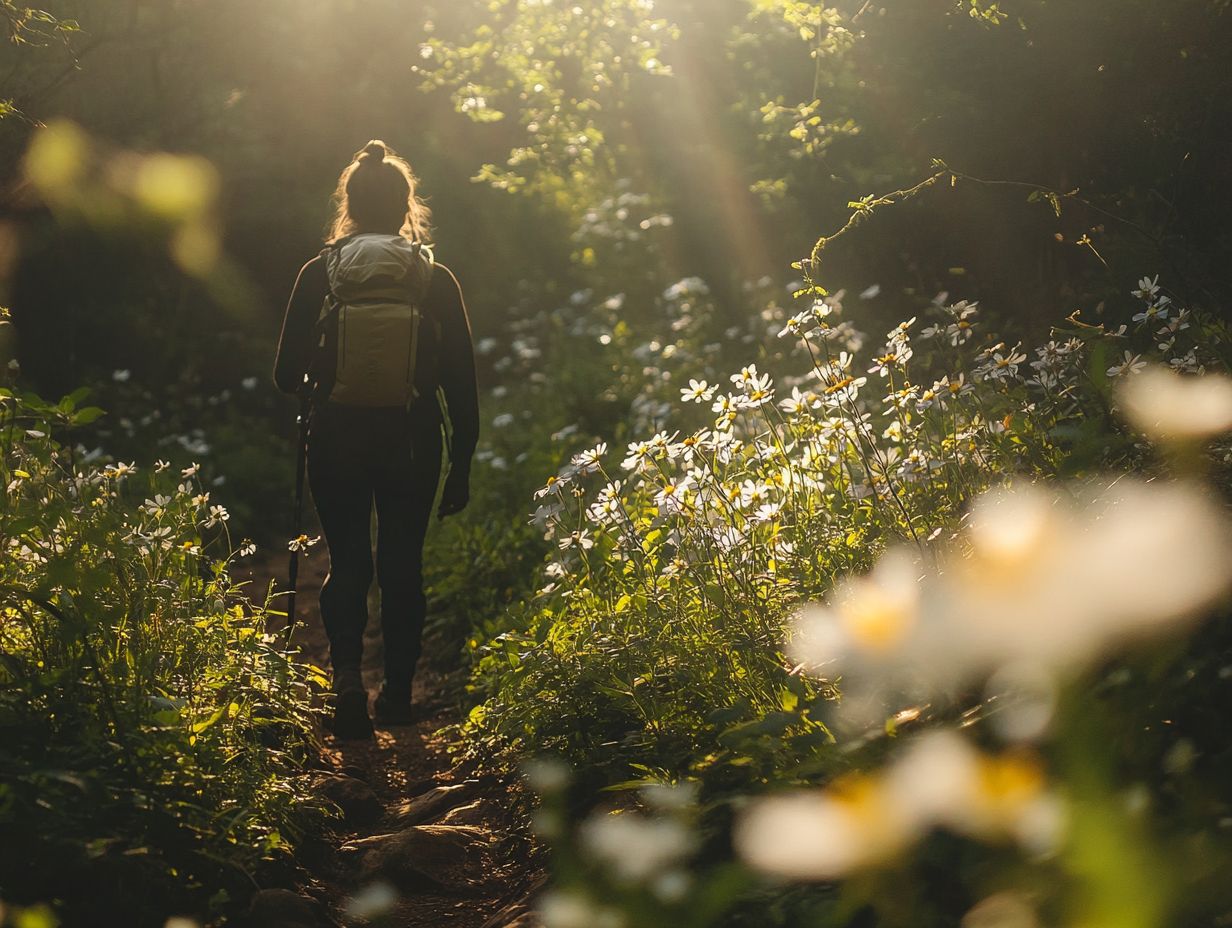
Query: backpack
[373, 317]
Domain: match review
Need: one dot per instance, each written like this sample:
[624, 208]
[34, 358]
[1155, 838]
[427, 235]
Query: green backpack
[377, 287]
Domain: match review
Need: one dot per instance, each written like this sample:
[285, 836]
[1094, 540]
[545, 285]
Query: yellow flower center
[877, 618]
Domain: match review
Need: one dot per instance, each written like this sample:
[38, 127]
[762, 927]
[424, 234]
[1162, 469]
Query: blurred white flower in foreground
[371, 902]
[669, 797]
[1166, 406]
[819, 836]
[633, 846]
[1038, 581]
[1061, 582]
[559, 909]
[871, 615]
[862, 821]
[547, 774]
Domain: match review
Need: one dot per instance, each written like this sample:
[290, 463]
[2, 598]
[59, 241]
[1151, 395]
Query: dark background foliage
[1126, 103]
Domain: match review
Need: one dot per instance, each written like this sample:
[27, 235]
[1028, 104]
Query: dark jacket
[452, 369]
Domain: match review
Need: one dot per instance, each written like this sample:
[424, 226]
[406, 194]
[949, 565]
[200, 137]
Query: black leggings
[357, 456]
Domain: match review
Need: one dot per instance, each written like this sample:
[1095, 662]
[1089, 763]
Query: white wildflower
[580, 539]
[698, 391]
[157, 507]
[1148, 288]
[120, 469]
[1130, 364]
[589, 461]
[634, 847]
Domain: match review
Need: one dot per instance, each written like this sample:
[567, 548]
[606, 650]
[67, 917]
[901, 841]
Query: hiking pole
[301, 460]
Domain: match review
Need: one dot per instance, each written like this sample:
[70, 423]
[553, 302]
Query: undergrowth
[153, 731]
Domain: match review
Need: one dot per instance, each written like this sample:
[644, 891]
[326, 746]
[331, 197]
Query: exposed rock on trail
[433, 804]
[281, 908]
[449, 858]
[358, 801]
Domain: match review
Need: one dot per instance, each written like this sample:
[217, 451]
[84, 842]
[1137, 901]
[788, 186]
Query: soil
[494, 883]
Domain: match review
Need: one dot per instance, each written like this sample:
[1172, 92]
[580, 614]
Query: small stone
[357, 800]
[282, 908]
[473, 813]
[430, 806]
[452, 858]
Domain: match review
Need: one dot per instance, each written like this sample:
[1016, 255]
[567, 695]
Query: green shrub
[658, 642]
[750, 622]
[239, 435]
[152, 729]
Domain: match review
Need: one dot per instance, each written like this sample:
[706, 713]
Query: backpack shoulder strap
[330, 254]
[427, 264]
[325, 331]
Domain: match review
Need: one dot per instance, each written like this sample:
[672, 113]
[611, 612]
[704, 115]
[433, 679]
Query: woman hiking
[378, 332]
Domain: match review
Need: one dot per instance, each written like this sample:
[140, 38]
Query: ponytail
[376, 192]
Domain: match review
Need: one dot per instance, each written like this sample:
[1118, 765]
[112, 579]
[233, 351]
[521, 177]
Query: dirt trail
[447, 843]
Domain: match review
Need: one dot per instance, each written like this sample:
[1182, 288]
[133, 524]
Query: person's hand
[456, 495]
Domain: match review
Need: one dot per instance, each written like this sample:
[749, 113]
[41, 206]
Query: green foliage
[478, 567]
[799, 103]
[657, 653]
[563, 72]
[226, 432]
[34, 28]
[29, 26]
[153, 730]
[986, 12]
[664, 612]
[1134, 746]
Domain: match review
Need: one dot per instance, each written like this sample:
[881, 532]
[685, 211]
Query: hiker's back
[390, 325]
[374, 318]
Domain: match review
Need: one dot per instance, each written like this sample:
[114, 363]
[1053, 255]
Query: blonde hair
[376, 192]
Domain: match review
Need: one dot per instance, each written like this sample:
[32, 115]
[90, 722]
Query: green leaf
[201, 726]
[773, 724]
[627, 785]
[87, 415]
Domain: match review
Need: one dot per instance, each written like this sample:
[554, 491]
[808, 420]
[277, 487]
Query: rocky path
[425, 843]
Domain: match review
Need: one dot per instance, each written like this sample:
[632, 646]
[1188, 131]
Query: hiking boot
[350, 721]
[391, 709]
